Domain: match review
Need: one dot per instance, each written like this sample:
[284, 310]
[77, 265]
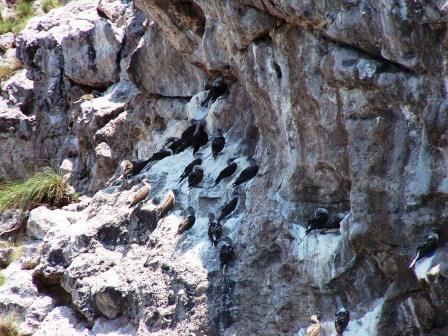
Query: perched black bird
[246, 175]
[214, 229]
[188, 222]
[226, 256]
[219, 88]
[334, 222]
[189, 168]
[341, 319]
[131, 168]
[226, 172]
[189, 131]
[427, 247]
[200, 138]
[173, 143]
[317, 220]
[186, 139]
[161, 154]
[218, 144]
[195, 176]
[228, 208]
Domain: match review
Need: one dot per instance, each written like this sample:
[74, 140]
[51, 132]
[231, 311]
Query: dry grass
[46, 187]
[48, 5]
[9, 325]
[8, 67]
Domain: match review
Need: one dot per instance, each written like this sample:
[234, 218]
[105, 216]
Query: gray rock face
[342, 104]
[181, 78]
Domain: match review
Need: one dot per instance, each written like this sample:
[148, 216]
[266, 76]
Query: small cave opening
[52, 287]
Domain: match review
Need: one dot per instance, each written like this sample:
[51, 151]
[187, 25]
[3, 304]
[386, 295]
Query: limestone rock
[181, 78]
[7, 41]
[343, 106]
[62, 321]
[41, 220]
[11, 223]
[19, 92]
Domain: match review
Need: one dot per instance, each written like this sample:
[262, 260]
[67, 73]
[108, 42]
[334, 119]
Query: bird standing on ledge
[166, 205]
[195, 176]
[214, 229]
[218, 144]
[317, 220]
[341, 320]
[226, 255]
[226, 172]
[427, 247]
[314, 329]
[219, 88]
[189, 168]
[187, 223]
[141, 194]
[200, 138]
[228, 208]
[246, 175]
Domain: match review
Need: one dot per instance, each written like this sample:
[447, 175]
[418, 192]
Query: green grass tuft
[48, 5]
[46, 187]
[17, 253]
[25, 11]
[9, 326]
[24, 8]
[2, 279]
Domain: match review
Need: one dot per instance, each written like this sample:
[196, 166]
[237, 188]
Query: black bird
[195, 176]
[317, 220]
[161, 154]
[188, 222]
[246, 175]
[226, 256]
[334, 222]
[427, 247]
[189, 168]
[219, 88]
[189, 131]
[218, 144]
[341, 319]
[131, 168]
[214, 229]
[173, 143]
[228, 208]
[200, 138]
[186, 139]
[226, 172]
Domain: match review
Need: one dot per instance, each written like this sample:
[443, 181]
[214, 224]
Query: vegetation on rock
[25, 11]
[46, 187]
[48, 5]
[9, 325]
[2, 280]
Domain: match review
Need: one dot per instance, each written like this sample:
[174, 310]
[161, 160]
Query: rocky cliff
[343, 104]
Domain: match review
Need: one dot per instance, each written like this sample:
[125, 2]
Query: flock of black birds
[195, 136]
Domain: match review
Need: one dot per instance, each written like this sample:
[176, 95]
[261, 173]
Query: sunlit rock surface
[342, 104]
